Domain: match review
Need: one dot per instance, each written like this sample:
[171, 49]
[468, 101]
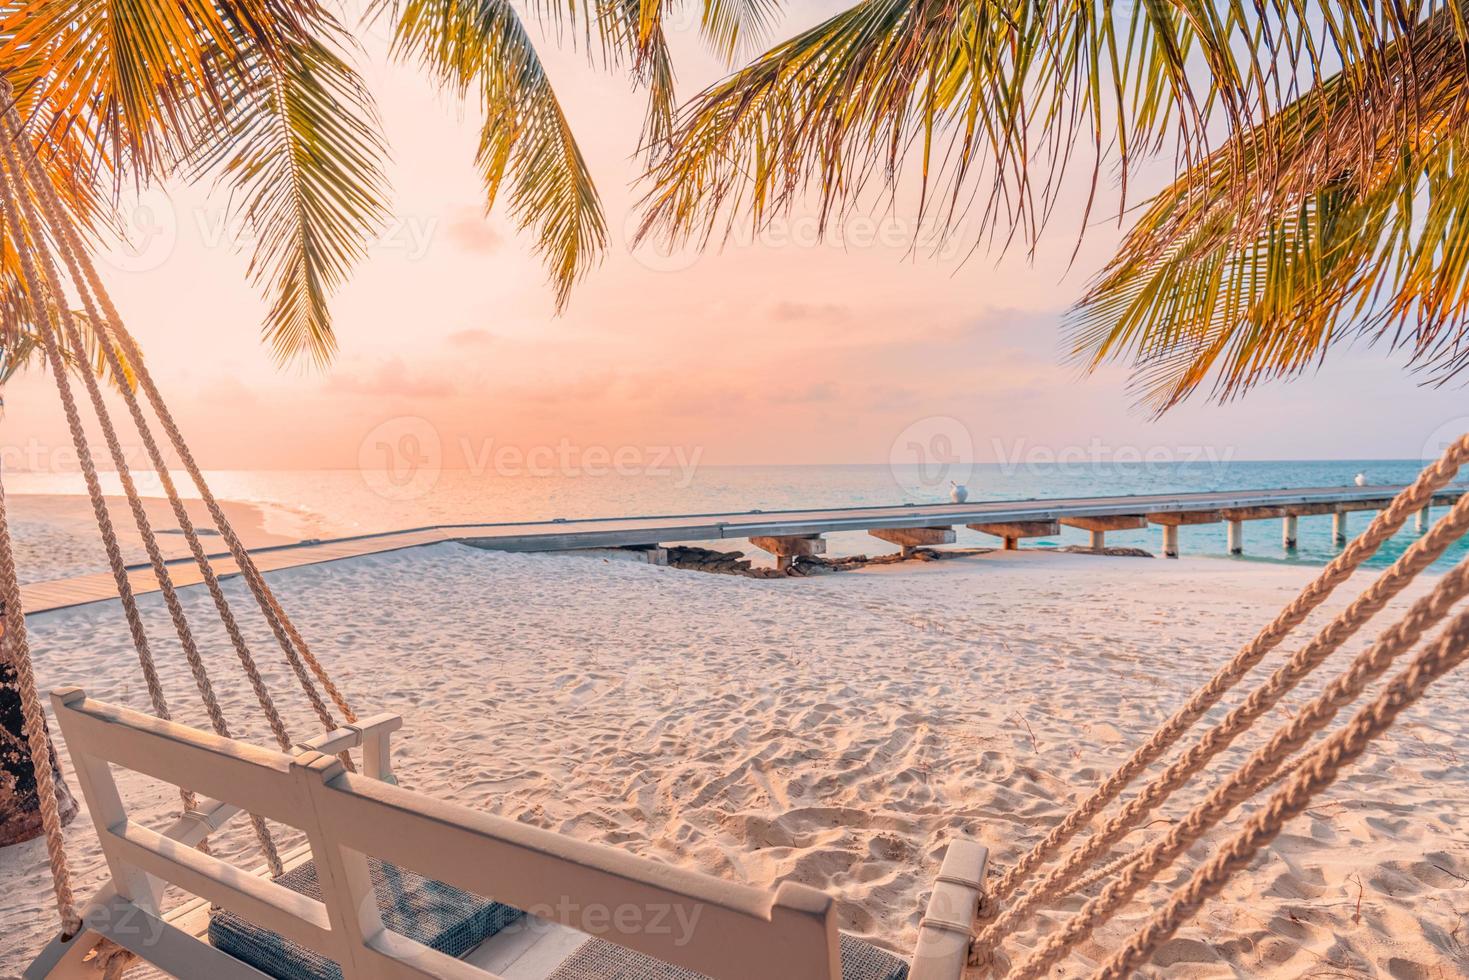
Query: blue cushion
[597, 959]
[437, 915]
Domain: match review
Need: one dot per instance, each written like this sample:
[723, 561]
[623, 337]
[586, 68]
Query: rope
[69, 256]
[290, 639]
[16, 649]
[1382, 527]
[1136, 854]
[1344, 689]
[297, 653]
[1319, 771]
[1423, 553]
[16, 192]
[89, 473]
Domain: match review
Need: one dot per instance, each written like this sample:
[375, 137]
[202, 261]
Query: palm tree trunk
[20, 806]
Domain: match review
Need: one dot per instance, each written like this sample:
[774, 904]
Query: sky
[775, 350]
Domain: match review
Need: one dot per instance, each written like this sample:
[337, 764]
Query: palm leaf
[527, 149]
[134, 68]
[1356, 227]
[989, 100]
[301, 145]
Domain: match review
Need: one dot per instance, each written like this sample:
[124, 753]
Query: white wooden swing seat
[734, 930]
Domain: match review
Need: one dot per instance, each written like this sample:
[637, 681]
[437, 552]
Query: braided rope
[1382, 527]
[1136, 854]
[285, 631]
[15, 647]
[51, 206]
[15, 180]
[1423, 553]
[41, 313]
[1319, 771]
[1246, 780]
[298, 654]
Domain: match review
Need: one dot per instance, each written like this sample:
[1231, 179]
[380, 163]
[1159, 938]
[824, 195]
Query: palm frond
[134, 68]
[1322, 225]
[735, 27]
[526, 146]
[301, 144]
[960, 89]
[994, 102]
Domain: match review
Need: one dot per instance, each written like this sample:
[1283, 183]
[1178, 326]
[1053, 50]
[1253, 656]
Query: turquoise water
[332, 502]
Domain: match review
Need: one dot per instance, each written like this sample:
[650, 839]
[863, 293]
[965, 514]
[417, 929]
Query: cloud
[821, 391]
[790, 310]
[473, 337]
[470, 230]
[390, 380]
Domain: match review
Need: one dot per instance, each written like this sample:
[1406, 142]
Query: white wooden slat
[733, 929]
[719, 928]
[946, 928]
[251, 777]
[260, 900]
[168, 947]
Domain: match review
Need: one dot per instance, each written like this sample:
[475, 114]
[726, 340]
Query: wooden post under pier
[1099, 526]
[1236, 537]
[1013, 531]
[1171, 521]
[1339, 528]
[1424, 518]
[1289, 529]
[787, 549]
[909, 538]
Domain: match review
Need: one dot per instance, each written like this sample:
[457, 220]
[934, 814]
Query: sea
[328, 503]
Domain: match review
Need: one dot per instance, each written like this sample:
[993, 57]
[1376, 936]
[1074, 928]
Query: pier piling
[909, 538]
[1171, 521]
[1236, 537]
[787, 549]
[1012, 531]
[1099, 526]
[1288, 532]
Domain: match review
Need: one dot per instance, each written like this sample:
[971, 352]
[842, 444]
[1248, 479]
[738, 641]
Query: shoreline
[837, 732]
[55, 536]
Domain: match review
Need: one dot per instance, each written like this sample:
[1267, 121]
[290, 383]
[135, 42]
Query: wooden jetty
[787, 534]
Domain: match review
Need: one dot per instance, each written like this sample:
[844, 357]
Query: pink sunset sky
[781, 350]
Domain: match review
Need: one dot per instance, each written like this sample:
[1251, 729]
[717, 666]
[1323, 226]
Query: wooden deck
[563, 535]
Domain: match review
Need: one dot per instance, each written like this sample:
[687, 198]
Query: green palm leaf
[527, 150]
[301, 145]
[1323, 225]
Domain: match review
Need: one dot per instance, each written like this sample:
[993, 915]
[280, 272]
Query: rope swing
[1286, 772]
[36, 221]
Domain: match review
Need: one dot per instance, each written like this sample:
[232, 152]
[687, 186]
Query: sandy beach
[834, 730]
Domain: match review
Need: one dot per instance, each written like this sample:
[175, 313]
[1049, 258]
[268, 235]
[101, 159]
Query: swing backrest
[714, 927]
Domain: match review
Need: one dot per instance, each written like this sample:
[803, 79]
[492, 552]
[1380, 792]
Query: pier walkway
[788, 534]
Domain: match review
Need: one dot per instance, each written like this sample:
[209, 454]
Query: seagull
[959, 493]
[1361, 479]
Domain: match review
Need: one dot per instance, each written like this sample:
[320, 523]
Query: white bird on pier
[959, 493]
[1361, 479]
